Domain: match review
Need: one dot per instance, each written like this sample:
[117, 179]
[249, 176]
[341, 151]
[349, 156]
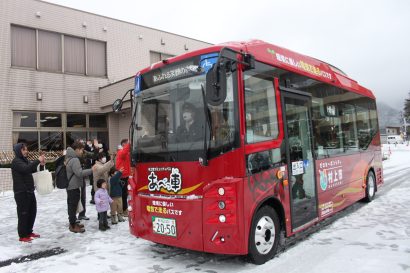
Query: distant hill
[388, 116]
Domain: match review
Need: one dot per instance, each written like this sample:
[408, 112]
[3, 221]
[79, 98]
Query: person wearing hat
[190, 130]
[23, 188]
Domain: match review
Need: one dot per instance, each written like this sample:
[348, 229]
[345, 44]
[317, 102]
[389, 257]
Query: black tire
[370, 187]
[259, 251]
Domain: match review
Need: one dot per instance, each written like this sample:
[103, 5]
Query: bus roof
[285, 59]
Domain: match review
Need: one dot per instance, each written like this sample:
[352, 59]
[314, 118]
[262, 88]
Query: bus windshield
[172, 123]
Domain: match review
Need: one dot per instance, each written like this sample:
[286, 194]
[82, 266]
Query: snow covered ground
[371, 237]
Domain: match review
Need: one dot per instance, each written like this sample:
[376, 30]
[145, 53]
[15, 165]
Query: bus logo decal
[207, 61]
[174, 183]
[323, 180]
[331, 174]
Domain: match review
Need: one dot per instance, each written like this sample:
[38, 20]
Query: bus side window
[265, 160]
[260, 107]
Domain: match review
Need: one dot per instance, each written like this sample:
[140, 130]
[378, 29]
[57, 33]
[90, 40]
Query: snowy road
[371, 237]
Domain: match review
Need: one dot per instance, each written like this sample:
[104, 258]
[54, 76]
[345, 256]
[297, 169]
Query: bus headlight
[221, 191]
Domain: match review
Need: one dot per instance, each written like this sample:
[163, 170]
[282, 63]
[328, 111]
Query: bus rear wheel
[370, 187]
[264, 235]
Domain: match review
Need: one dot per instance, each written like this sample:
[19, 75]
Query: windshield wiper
[208, 123]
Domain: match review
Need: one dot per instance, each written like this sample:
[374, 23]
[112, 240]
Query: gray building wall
[128, 50]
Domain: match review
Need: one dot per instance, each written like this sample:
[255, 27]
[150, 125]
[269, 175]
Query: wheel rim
[371, 185]
[264, 235]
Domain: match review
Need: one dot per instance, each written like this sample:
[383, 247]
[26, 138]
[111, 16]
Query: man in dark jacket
[23, 187]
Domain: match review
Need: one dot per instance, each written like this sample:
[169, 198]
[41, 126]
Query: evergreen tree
[406, 116]
[407, 108]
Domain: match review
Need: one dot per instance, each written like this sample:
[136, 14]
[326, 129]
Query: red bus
[238, 143]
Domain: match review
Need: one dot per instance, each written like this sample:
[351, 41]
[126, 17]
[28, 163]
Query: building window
[101, 136]
[24, 119]
[29, 138]
[56, 131]
[98, 121]
[23, 47]
[51, 141]
[49, 51]
[50, 120]
[157, 56]
[76, 120]
[71, 137]
[74, 55]
[96, 58]
[81, 56]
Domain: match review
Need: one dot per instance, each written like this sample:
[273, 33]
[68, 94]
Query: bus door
[298, 133]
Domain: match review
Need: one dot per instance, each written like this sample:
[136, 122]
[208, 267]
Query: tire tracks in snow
[33, 256]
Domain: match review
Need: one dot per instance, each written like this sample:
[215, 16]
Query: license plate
[164, 226]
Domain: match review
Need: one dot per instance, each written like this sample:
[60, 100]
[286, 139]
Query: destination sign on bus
[170, 73]
[176, 71]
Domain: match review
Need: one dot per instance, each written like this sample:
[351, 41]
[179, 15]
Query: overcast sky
[367, 39]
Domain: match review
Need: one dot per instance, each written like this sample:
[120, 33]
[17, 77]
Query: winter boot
[76, 228]
[114, 220]
[125, 213]
[101, 227]
[120, 218]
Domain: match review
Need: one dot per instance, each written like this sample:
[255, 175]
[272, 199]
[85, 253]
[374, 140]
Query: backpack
[61, 176]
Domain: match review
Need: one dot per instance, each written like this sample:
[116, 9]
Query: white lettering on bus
[177, 72]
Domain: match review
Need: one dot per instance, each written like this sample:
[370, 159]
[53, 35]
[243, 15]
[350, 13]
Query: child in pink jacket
[102, 204]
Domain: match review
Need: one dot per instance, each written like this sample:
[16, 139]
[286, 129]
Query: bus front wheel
[264, 235]
[370, 187]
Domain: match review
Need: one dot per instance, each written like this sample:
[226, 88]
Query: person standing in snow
[91, 150]
[23, 188]
[124, 162]
[88, 159]
[102, 204]
[116, 195]
[77, 174]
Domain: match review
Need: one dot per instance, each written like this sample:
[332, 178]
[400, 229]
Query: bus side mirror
[117, 105]
[216, 85]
